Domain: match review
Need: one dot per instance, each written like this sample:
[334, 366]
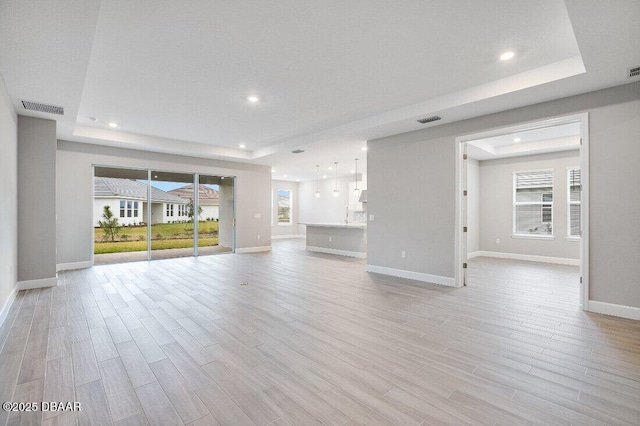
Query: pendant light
[357, 176]
[317, 181]
[335, 191]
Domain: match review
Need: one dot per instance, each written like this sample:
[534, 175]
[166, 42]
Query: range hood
[363, 196]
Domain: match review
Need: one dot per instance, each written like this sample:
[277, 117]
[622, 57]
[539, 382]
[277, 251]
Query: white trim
[74, 265]
[528, 257]
[282, 237]
[474, 254]
[615, 310]
[39, 283]
[574, 238]
[533, 237]
[253, 249]
[411, 275]
[357, 254]
[7, 305]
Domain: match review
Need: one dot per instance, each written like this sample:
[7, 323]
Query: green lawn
[163, 236]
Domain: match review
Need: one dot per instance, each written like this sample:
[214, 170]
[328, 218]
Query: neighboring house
[208, 199]
[128, 201]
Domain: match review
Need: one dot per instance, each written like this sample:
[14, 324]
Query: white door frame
[583, 119]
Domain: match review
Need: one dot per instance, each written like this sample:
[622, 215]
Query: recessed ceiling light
[517, 140]
[284, 175]
[155, 176]
[253, 99]
[324, 176]
[297, 180]
[353, 171]
[507, 55]
[329, 168]
[113, 125]
[273, 170]
[364, 148]
[242, 146]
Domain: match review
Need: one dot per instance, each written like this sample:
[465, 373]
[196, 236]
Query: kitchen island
[344, 239]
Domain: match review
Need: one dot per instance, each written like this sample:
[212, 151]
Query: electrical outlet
[497, 240]
[403, 254]
[258, 236]
[329, 239]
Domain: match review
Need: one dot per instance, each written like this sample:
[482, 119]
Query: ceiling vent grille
[633, 72]
[40, 107]
[429, 119]
[297, 151]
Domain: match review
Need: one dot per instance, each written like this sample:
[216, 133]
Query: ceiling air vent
[633, 72]
[429, 119]
[297, 151]
[40, 107]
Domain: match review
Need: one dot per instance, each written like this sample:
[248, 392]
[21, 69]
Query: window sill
[573, 238]
[284, 224]
[533, 237]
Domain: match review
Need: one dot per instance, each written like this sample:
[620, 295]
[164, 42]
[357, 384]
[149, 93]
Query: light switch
[257, 215]
[372, 217]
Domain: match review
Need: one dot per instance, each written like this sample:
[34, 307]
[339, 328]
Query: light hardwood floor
[290, 337]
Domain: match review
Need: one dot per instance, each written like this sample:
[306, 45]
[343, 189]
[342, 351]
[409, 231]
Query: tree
[191, 210]
[109, 225]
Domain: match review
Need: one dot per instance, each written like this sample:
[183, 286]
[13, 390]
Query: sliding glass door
[151, 214]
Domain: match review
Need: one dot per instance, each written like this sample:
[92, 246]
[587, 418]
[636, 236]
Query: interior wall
[284, 230]
[36, 200]
[496, 205]
[8, 200]
[75, 193]
[328, 208]
[473, 205]
[421, 216]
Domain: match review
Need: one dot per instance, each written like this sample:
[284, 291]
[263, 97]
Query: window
[128, 208]
[533, 203]
[574, 187]
[284, 207]
[169, 210]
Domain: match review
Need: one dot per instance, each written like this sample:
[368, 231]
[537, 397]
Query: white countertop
[338, 225]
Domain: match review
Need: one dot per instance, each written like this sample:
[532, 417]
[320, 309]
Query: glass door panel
[119, 215]
[216, 226]
[172, 213]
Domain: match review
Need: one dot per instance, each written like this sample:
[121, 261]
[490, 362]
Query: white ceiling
[562, 137]
[331, 75]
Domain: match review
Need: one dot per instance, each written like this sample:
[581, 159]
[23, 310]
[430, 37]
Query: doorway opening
[522, 197]
[145, 214]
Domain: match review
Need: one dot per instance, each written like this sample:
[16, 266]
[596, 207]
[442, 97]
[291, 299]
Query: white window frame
[128, 210]
[514, 231]
[169, 210]
[290, 207]
[570, 203]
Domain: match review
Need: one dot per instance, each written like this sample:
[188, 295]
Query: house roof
[105, 187]
[206, 196]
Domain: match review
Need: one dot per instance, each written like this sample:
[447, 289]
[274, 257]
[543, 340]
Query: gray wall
[282, 230]
[36, 198]
[74, 182]
[496, 205]
[412, 191]
[473, 205]
[8, 197]
[225, 213]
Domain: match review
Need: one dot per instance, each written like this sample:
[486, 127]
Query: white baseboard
[40, 283]
[615, 310]
[283, 237]
[74, 265]
[418, 276]
[338, 252]
[7, 305]
[253, 249]
[474, 254]
[527, 257]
